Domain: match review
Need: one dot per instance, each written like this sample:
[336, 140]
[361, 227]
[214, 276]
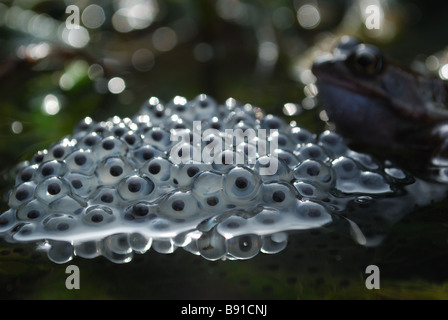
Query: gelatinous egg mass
[117, 187]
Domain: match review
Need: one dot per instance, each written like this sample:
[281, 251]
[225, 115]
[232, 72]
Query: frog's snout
[322, 64]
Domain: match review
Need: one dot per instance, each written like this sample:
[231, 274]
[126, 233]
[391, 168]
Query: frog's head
[373, 101]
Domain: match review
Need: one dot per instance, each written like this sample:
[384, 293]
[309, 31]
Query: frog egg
[24, 232]
[224, 161]
[212, 144]
[158, 170]
[241, 185]
[98, 215]
[116, 257]
[144, 154]
[139, 243]
[271, 169]
[231, 104]
[278, 195]
[396, 173]
[192, 248]
[81, 161]
[119, 129]
[109, 147]
[345, 169]
[266, 219]
[313, 171]
[31, 211]
[26, 174]
[88, 249]
[184, 175]
[282, 141]
[132, 140]
[236, 117]
[182, 153]
[174, 122]
[39, 157]
[62, 149]
[371, 182]
[83, 127]
[111, 170]
[222, 114]
[309, 214]
[332, 142]
[164, 246]
[179, 205]
[214, 203]
[247, 153]
[118, 243]
[232, 226]
[149, 105]
[82, 185]
[208, 184]
[103, 128]
[107, 197]
[51, 189]
[89, 141]
[21, 194]
[213, 123]
[187, 136]
[308, 191]
[311, 151]
[287, 157]
[158, 114]
[141, 211]
[52, 168]
[161, 227]
[243, 132]
[59, 224]
[7, 220]
[211, 245]
[273, 122]
[182, 239]
[180, 107]
[67, 204]
[244, 246]
[274, 243]
[60, 251]
[142, 121]
[366, 161]
[350, 178]
[135, 187]
[301, 136]
[159, 139]
[204, 106]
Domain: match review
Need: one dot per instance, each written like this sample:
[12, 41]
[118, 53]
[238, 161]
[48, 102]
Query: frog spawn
[112, 189]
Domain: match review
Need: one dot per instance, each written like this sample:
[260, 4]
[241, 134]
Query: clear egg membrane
[112, 191]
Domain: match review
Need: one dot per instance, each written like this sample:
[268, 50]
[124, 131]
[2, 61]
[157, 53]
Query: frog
[378, 103]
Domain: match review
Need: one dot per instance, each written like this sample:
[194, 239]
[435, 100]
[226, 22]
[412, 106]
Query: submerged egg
[122, 186]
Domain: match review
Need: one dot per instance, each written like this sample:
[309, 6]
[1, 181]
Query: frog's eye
[367, 60]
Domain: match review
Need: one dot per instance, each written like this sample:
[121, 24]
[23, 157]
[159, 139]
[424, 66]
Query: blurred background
[61, 61]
